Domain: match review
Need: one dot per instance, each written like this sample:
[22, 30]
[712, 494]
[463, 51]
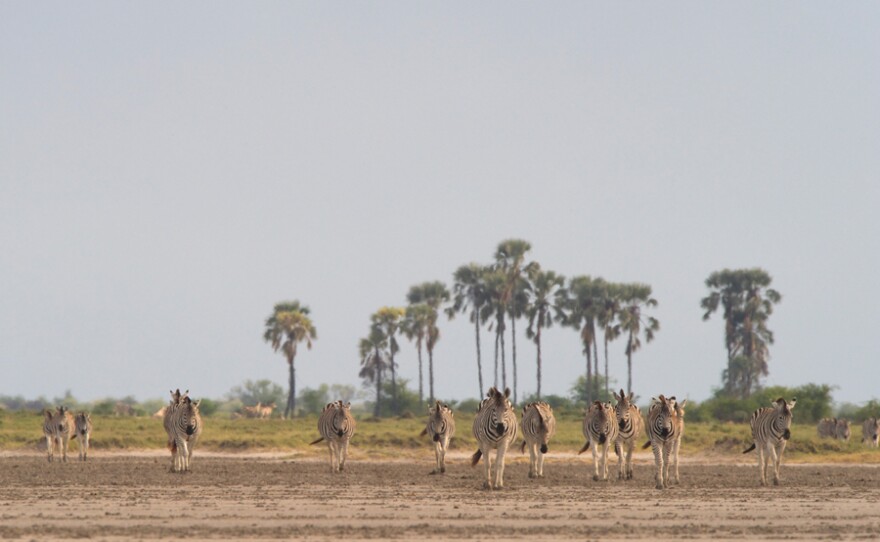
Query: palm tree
[542, 293]
[374, 362]
[510, 258]
[495, 309]
[747, 302]
[581, 302]
[388, 319]
[470, 293]
[635, 298]
[415, 327]
[606, 317]
[287, 326]
[432, 294]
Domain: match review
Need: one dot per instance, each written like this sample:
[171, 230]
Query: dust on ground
[281, 496]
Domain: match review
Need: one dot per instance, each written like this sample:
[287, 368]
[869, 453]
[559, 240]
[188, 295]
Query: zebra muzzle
[544, 448]
[436, 438]
[787, 434]
[602, 439]
[190, 429]
[499, 428]
[664, 432]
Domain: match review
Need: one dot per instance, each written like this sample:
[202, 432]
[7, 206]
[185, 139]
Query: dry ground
[134, 497]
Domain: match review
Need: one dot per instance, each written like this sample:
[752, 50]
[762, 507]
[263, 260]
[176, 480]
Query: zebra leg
[762, 465]
[343, 454]
[777, 462]
[444, 444]
[658, 466]
[595, 450]
[540, 460]
[675, 447]
[629, 460]
[499, 465]
[667, 448]
[182, 455]
[604, 455]
[620, 461]
[437, 451]
[334, 456]
[488, 483]
[50, 448]
[533, 460]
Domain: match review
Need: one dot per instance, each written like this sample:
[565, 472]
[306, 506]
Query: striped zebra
[538, 427]
[771, 429]
[836, 428]
[441, 428]
[870, 432]
[58, 427]
[664, 429]
[183, 425]
[82, 433]
[336, 425]
[495, 428]
[600, 429]
[630, 425]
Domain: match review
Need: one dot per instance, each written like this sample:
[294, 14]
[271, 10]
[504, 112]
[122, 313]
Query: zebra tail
[424, 432]
[522, 448]
[646, 445]
[749, 449]
[476, 458]
[317, 441]
[585, 448]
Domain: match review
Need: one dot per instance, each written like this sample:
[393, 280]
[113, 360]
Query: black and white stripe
[630, 425]
[441, 428]
[495, 428]
[665, 427]
[600, 430]
[83, 432]
[58, 427]
[538, 427]
[771, 429]
[870, 432]
[336, 426]
[183, 425]
[836, 428]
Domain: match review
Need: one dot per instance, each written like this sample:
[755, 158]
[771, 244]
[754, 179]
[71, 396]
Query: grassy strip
[22, 431]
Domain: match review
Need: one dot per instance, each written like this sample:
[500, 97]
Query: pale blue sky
[169, 171]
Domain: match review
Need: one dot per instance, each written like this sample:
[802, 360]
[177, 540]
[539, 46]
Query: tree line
[511, 289]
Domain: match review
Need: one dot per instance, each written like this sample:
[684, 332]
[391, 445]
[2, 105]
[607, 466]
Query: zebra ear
[506, 392]
[792, 403]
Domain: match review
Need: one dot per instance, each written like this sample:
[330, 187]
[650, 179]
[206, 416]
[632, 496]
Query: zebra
[183, 424]
[600, 429]
[836, 428]
[336, 425]
[441, 428]
[82, 433]
[538, 427]
[664, 429]
[870, 432]
[57, 428]
[630, 425]
[495, 428]
[771, 429]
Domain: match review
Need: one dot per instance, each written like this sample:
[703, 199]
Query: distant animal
[58, 427]
[538, 427]
[259, 410]
[600, 430]
[664, 428]
[870, 431]
[336, 425]
[441, 428]
[123, 409]
[82, 433]
[631, 425]
[160, 413]
[836, 428]
[183, 425]
[495, 428]
[771, 430]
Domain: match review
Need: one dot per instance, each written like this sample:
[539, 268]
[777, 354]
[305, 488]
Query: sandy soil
[134, 497]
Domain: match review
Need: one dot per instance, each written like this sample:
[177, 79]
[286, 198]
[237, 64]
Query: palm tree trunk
[588, 395]
[394, 408]
[496, 364]
[629, 365]
[479, 364]
[596, 363]
[606, 365]
[377, 409]
[431, 374]
[513, 353]
[503, 363]
[291, 395]
[538, 343]
[421, 379]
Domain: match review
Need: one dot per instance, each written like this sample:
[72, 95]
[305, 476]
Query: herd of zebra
[606, 427]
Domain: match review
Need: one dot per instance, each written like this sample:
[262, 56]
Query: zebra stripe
[665, 427]
[495, 428]
[82, 433]
[58, 427]
[771, 429]
[441, 428]
[630, 425]
[870, 432]
[538, 427]
[600, 429]
[834, 428]
[336, 426]
[183, 425]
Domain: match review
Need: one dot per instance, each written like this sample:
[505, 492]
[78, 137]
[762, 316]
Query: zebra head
[783, 416]
[500, 404]
[622, 409]
[189, 413]
[602, 415]
[341, 416]
[663, 421]
[62, 419]
[81, 421]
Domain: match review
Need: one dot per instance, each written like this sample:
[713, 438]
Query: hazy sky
[169, 171]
